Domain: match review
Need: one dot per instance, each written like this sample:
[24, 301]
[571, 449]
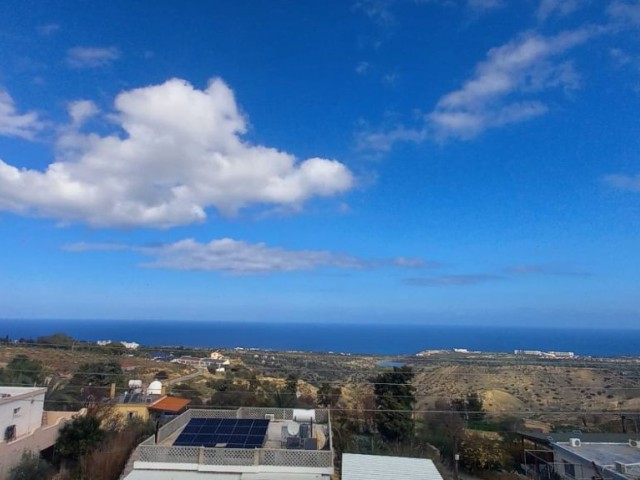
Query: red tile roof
[170, 404]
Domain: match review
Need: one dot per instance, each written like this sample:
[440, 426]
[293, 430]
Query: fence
[236, 456]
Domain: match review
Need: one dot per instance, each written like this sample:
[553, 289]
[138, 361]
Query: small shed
[376, 467]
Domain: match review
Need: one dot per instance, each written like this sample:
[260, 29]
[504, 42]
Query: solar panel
[227, 432]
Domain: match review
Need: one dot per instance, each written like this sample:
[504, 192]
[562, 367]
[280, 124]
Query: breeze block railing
[236, 456]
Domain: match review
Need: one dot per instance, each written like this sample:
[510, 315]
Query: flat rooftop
[280, 433]
[9, 394]
[607, 454]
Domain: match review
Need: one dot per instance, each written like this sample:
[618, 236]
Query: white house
[24, 425]
[576, 459]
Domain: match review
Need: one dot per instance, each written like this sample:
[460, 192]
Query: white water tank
[155, 388]
[135, 383]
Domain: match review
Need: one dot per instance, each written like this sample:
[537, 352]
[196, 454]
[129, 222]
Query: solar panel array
[223, 432]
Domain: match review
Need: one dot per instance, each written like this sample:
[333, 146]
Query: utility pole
[456, 458]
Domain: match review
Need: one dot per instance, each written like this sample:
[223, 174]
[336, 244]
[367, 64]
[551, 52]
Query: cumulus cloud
[91, 57]
[504, 89]
[452, 280]
[14, 124]
[629, 183]
[235, 256]
[81, 110]
[180, 152]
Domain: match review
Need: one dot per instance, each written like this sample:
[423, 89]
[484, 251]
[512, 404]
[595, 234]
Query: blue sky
[434, 161]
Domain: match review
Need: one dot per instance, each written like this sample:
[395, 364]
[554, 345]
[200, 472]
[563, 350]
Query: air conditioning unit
[574, 442]
[621, 467]
[270, 416]
[634, 443]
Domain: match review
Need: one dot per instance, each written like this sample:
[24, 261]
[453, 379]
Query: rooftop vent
[574, 442]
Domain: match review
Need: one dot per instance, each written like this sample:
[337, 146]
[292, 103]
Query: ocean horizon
[356, 338]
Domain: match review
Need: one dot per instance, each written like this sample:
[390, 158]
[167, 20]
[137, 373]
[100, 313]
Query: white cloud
[625, 12]
[362, 68]
[502, 91]
[630, 183]
[547, 8]
[180, 153]
[13, 124]
[452, 280]
[81, 110]
[379, 11]
[235, 256]
[497, 93]
[91, 57]
[48, 29]
[485, 4]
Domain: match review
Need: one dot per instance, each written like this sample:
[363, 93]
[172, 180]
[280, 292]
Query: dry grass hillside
[533, 391]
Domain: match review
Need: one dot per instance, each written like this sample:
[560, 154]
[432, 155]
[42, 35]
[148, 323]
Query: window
[569, 469]
[10, 433]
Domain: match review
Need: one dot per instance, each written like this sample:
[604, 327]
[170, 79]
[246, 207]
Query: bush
[31, 467]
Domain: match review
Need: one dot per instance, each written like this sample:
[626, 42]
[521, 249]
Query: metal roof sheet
[180, 475]
[374, 467]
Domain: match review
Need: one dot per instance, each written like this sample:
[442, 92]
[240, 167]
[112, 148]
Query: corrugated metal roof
[178, 475]
[375, 467]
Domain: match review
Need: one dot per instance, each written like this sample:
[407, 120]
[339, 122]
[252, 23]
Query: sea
[395, 339]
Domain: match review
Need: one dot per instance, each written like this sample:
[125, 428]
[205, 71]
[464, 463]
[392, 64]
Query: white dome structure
[155, 388]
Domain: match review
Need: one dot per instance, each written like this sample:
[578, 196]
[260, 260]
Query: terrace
[248, 441]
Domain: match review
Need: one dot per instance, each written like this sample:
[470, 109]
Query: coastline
[358, 339]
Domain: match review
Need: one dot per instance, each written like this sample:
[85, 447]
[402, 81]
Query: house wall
[38, 440]
[22, 409]
[582, 469]
[125, 410]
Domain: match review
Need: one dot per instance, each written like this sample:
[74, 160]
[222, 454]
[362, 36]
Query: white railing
[173, 426]
[209, 413]
[228, 456]
[236, 456]
[161, 454]
[295, 458]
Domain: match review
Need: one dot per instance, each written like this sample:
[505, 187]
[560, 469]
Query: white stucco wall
[22, 407]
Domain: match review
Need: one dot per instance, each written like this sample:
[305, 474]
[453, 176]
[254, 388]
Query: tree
[79, 437]
[22, 370]
[31, 467]
[94, 379]
[476, 454]
[475, 407]
[328, 396]
[61, 340]
[395, 397]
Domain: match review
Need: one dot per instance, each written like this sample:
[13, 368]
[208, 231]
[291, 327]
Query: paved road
[185, 378]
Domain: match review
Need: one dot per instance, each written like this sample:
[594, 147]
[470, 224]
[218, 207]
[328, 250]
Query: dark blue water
[389, 339]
